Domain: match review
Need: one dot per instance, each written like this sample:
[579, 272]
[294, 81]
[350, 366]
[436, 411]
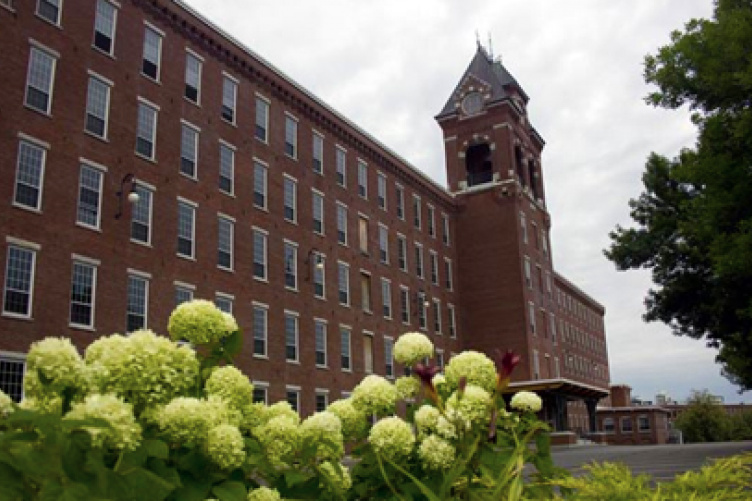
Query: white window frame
[146, 279]
[368, 361]
[261, 386]
[417, 212]
[318, 205]
[259, 307]
[191, 55]
[57, 4]
[38, 147]
[189, 149]
[340, 157]
[445, 224]
[148, 27]
[111, 36]
[386, 298]
[229, 220]
[153, 110]
[399, 191]
[232, 103]
[342, 233]
[420, 271]
[433, 257]
[295, 317]
[107, 84]
[366, 293]
[343, 288]
[383, 243]
[321, 392]
[102, 171]
[319, 274]
[402, 246]
[405, 304]
[532, 320]
[317, 153]
[389, 356]
[381, 188]
[193, 206]
[38, 50]
[225, 146]
[452, 314]
[291, 390]
[438, 326]
[292, 183]
[449, 272]
[260, 232]
[291, 136]
[293, 247]
[259, 167]
[146, 195]
[345, 329]
[431, 220]
[322, 323]
[263, 109]
[228, 299]
[528, 273]
[362, 179]
[184, 288]
[32, 249]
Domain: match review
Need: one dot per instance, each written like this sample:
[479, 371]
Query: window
[224, 302]
[186, 228]
[452, 321]
[259, 184]
[83, 292]
[141, 215]
[448, 274]
[260, 323]
[548, 284]
[523, 227]
[643, 423]
[362, 179]
[345, 359]
[445, 229]
[291, 136]
[138, 300]
[260, 392]
[381, 188]
[317, 199]
[422, 310]
[437, 316]
[416, 211]
[319, 289]
[383, 244]
[29, 175]
[40, 78]
[626, 424]
[405, 304]
[544, 241]
[183, 293]
[552, 327]
[226, 168]
[363, 233]
[291, 199]
[89, 196]
[293, 397]
[386, 297]
[434, 263]
[188, 150]
[389, 356]
[557, 367]
[368, 352]
[146, 130]
[12, 369]
[365, 291]
[19, 279]
[104, 26]
[193, 64]
[262, 119]
[225, 241]
[440, 359]
[402, 252]
[535, 235]
[341, 164]
[343, 274]
[528, 273]
[318, 153]
[341, 223]
[531, 315]
[322, 400]
[49, 10]
[152, 54]
[291, 336]
[229, 98]
[419, 260]
[608, 425]
[431, 221]
[259, 253]
[400, 201]
[291, 265]
[536, 365]
[97, 106]
[319, 327]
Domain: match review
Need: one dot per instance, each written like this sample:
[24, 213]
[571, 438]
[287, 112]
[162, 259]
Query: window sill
[194, 103]
[228, 270]
[291, 221]
[8, 7]
[349, 371]
[27, 208]
[47, 114]
[260, 140]
[101, 51]
[153, 80]
[51, 23]
[291, 289]
[323, 367]
[17, 316]
[344, 305]
[79, 327]
[259, 279]
[260, 357]
[88, 227]
[319, 233]
[228, 193]
[291, 157]
[293, 362]
[189, 177]
[139, 242]
[187, 258]
[97, 137]
[263, 209]
[320, 298]
[144, 157]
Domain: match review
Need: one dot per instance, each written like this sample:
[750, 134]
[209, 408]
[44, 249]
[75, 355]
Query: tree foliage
[704, 420]
[693, 222]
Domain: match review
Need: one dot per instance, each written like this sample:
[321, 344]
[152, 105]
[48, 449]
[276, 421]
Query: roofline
[636, 408]
[559, 380]
[558, 276]
[279, 73]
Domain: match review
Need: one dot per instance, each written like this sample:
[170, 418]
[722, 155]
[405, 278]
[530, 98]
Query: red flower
[505, 364]
[426, 374]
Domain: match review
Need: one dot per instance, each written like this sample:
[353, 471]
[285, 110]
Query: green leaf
[144, 484]
[295, 477]
[156, 448]
[233, 343]
[230, 491]
[192, 489]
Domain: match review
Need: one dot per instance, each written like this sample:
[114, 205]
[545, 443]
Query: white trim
[145, 101]
[85, 260]
[186, 201]
[184, 285]
[23, 243]
[39, 45]
[38, 142]
[155, 28]
[138, 273]
[104, 79]
[194, 53]
[92, 164]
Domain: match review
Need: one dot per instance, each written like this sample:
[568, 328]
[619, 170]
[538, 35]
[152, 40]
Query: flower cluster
[6, 404]
[375, 395]
[123, 433]
[392, 438]
[323, 433]
[231, 385]
[407, 387]
[477, 368]
[352, 420]
[280, 438]
[145, 368]
[436, 453]
[526, 401]
[225, 446]
[412, 347]
[474, 404]
[338, 478]
[199, 322]
[188, 420]
[264, 494]
[426, 418]
[55, 364]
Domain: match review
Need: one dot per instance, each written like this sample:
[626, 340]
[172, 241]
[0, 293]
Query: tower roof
[490, 74]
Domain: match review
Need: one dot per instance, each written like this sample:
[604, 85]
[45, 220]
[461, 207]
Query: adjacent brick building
[252, 192]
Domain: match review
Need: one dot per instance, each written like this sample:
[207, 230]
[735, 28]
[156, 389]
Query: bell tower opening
[519, 166]
[478, 164]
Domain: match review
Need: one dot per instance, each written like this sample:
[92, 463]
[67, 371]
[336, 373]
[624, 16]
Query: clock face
[472, 103]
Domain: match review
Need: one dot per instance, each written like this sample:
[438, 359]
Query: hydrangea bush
[144, 417]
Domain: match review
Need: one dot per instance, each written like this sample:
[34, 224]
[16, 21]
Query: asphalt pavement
[662, 462]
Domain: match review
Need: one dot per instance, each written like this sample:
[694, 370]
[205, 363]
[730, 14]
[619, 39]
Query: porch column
[591, 403]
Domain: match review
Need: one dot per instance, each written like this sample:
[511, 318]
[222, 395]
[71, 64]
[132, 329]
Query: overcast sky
[389, 66]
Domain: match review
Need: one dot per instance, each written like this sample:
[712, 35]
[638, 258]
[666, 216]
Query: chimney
[621, 395]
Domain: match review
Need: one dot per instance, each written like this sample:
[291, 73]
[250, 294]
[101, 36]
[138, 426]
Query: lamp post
[132, 193]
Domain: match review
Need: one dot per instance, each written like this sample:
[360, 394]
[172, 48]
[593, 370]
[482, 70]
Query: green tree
[704, 420]
[694, 219]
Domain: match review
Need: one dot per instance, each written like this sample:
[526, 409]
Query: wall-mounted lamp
[132, 193]
[317, 262]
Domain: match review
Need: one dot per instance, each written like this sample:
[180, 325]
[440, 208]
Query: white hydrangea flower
[412, 347]
[407, 387]
[436, 453]
[264, 494]
[375, 395]
[323, 431]
[188, 420]
[526, 401]
[353, 420]
[476, 367]
[56, 364]
[392, 438]
[280, 438]
[475, 404]
[426, 419]
[225, 446]
[231, 385]
[337, 475]
[124, 433]
[6, 404]
[199, 322]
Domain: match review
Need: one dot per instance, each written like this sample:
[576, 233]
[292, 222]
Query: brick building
[252, 192]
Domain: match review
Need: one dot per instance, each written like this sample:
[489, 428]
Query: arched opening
[478, 164]
[518, 163]
[533, 181]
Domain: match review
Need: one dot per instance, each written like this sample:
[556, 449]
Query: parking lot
[662, 462]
